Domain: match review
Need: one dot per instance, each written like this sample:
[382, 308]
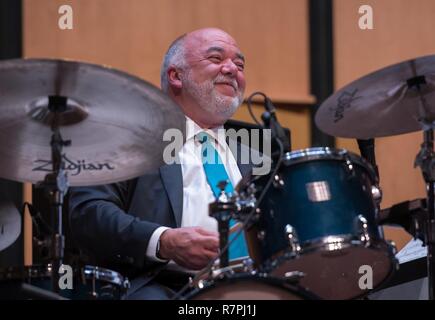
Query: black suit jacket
[114, 223]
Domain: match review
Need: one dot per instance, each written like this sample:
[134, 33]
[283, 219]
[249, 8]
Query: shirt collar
[192, 129]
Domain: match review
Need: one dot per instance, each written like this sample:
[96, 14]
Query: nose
[229, 68]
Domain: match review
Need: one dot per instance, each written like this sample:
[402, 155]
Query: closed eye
[215, 59]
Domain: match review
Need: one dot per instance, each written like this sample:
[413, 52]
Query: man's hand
[190, 247]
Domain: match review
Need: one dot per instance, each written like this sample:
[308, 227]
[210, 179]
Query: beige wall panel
[402, 30]
[133, 35]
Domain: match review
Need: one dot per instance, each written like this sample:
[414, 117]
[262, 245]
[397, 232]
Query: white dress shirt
[197, 194]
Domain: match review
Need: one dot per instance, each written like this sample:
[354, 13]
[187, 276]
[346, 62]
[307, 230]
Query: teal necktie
[215, 173]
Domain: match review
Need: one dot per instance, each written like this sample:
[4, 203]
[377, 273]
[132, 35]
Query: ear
[174, 78]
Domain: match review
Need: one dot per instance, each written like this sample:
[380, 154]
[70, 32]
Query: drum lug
[377, 194]
[261, 235]
[125, 285]
[362, 228]
[292, 238]
[201, 284]
[293, 277]
[278, 183]
[248, 266]
[392, 246]
[349, 165]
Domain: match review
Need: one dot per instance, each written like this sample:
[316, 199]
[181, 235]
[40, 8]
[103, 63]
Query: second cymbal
[391, 101]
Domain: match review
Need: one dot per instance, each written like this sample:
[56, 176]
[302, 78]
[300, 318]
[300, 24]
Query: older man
[158, 224]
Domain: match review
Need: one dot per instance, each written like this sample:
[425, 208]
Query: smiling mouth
[228, 84]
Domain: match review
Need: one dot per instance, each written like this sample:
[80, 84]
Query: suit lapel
[241, 152]
[173, 182]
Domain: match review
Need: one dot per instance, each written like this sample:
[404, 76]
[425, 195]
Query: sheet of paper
[413, 250]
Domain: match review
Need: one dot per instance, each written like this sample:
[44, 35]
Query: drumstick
[235, 227]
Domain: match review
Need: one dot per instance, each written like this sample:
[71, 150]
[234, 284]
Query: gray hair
[174, 56]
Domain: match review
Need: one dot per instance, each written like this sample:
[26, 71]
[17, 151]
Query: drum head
[341, 274]
[249, 287]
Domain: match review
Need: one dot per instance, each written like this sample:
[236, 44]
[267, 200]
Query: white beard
[211, 100]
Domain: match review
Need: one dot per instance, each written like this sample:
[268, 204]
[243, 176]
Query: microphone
[272, 122]
[367, 149]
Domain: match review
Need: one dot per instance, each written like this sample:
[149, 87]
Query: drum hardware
[56, 186]
[426, 161]
[362, 228]
[222, 210]
[278, 182]
[293, 239]
[293, 276]
[394, 100]
[349, 166]
[393, 247]
[93, 292]
[410, 215]
[246, 266]
[377, 194]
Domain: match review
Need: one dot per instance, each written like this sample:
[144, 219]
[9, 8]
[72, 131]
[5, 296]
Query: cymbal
[10, 224]
[382, 103]
[115, 121]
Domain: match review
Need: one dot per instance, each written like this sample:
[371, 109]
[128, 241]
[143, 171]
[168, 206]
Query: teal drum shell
[319, 218]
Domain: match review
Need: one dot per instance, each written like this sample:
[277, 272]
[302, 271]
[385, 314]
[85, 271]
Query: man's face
[214, 78]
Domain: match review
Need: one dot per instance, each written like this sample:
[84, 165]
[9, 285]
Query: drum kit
[310, 225]
[313, 225]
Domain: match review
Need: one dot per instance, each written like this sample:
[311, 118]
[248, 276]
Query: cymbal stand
[56, 185]
[426, 161]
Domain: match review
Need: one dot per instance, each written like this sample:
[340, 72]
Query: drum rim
[104, 274]
[45, 271]
[327, 153]
[345, 240]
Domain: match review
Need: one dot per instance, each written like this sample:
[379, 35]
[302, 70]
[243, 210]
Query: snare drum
[319, 218]
[245, 286]
[89, 282]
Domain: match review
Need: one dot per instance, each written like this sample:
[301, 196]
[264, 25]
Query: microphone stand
[367, 149]
[271, 122]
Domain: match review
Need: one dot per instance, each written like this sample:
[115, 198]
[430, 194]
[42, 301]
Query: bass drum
[249, 287]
